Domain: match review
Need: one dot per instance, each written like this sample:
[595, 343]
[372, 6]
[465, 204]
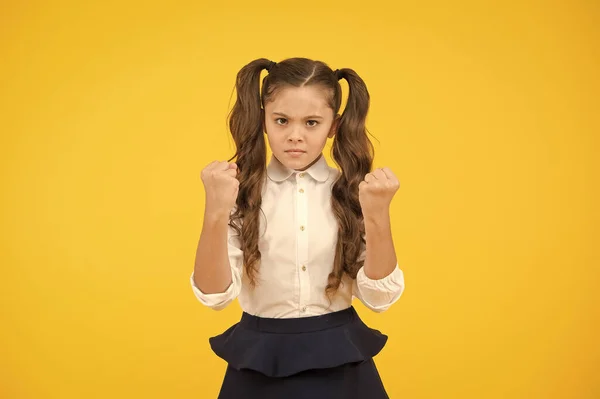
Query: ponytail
[246, 125]
[353, 152]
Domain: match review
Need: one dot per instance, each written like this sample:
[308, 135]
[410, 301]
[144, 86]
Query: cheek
[322, 137]
[275, 140]
[274, 129]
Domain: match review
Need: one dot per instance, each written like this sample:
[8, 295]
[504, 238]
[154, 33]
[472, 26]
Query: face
[298, 122]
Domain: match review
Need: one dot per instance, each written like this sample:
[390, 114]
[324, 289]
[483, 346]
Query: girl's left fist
[376, 191]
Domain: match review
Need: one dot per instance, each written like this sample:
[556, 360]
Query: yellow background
[487, 113]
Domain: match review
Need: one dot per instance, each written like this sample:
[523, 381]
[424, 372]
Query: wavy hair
[352, 151]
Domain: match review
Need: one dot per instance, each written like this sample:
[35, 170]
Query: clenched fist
[376, 191]
[221, 187]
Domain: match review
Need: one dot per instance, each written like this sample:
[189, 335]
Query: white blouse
[297, 245]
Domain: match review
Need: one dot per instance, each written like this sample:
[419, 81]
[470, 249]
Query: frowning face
[298, 122]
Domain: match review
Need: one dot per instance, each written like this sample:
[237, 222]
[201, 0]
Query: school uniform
[292, 341]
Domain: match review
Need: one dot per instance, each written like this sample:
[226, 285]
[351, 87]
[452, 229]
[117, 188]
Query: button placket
[302, 247]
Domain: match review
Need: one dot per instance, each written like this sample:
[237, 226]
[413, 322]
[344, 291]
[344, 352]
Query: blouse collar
[278, 172]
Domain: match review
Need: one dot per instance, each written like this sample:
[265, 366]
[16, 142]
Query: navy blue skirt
[328, 356]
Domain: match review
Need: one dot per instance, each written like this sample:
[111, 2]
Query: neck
[310, 164]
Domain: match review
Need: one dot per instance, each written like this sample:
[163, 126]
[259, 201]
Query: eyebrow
[310, 116]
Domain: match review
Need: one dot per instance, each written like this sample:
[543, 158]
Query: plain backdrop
[486, 111]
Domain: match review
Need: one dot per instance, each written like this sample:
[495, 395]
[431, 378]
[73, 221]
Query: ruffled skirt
[328, 356]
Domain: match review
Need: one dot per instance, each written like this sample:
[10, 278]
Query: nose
[295, 135]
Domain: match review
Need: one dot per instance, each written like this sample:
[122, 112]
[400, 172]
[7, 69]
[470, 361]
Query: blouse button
[303, 309]
[302, 228]
[303, 268]
[301, 174]
[301, 190]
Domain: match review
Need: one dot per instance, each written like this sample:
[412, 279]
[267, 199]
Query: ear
[334, 126]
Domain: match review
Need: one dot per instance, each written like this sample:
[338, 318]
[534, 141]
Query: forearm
[212, 271]
[380, 258]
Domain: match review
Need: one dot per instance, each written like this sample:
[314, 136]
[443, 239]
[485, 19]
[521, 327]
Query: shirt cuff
[380, 294]
[216, 301]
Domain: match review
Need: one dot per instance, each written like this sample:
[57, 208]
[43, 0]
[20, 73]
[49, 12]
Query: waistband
[300, 324]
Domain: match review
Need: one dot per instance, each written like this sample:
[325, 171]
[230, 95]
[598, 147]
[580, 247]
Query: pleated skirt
[328, 356]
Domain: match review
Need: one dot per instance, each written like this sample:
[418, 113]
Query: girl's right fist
[221, 186]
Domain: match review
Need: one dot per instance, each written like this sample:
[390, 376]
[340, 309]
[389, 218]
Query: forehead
[299, 101]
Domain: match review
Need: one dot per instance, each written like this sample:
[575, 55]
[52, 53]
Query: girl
[295, 239]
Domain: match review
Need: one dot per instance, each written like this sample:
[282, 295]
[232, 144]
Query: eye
[316, 123]
[279, 119]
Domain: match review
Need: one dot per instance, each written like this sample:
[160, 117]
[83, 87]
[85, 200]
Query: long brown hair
[352, 151]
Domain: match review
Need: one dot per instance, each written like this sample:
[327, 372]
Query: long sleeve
[378, 295]
[220, 300]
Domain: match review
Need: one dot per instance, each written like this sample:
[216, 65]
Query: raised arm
[216, 279]
[379, 282]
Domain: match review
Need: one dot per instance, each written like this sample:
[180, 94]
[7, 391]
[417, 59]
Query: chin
[296, 164]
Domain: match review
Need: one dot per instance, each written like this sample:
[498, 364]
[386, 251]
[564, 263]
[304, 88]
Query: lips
[295, 151]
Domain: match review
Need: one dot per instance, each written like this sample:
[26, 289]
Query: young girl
[295, 239]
